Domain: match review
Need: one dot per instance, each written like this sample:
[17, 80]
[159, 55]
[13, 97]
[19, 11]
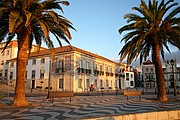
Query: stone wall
[163, 115]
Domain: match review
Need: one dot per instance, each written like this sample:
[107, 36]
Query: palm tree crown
[38, 18]
[31, 20]
[152, 27]
[151, 31]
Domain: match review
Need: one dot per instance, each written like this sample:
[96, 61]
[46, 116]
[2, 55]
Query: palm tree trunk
[159, 74]
[22, 57]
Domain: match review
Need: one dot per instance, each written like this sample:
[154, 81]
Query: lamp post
[49, 80]
[172, 64]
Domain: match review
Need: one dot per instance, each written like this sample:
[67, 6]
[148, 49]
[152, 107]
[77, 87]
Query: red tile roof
[65, 49]
[148, 62]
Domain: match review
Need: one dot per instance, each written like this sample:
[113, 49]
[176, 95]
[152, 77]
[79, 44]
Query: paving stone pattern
[83, 107]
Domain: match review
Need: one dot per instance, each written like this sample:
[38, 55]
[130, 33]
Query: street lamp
[49, 80]
[172, 64]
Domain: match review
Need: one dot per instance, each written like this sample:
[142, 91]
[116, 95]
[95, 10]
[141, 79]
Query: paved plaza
[83, 106]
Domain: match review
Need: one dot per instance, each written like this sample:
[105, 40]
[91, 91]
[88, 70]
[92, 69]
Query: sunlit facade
[72, 69]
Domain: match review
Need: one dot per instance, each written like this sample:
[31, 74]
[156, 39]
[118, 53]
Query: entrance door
[119, 83]
[33, 84]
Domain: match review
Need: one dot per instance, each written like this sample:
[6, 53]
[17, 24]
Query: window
[87, 65]
[6, 73]
[127, 76]
[12, 64]
[80, 64]
[27, 62]
[61, 83]
[1, 71]
[95, 66]
[7, 53]
[131, 75]
[7, 62]
[80, 83]
[87, 83]
[101, 68]
[116, 83]
[101, 83]
[151, 70]
[26, 75]
[34, 62]
[132, 83]
[95, 83]
[110, 70]
[147, 70]
[107, 83]
[11, 75]
[42, 60]
[41, 74]
[33, 74]
[106, 69]
[171, 77]
[2, 62]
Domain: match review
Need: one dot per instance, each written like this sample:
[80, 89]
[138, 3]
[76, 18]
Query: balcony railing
[81, 70]
[101, 72]
[111, 74]
[88, 71]
[96, 72]
[107, 73]
[59, 70]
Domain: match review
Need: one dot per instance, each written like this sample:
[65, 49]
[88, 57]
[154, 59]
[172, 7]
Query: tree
[31, 20]
[151, 32]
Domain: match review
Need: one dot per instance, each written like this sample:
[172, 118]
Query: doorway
[33, 84]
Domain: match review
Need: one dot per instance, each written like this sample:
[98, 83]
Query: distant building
[149, 76]
[168, 74]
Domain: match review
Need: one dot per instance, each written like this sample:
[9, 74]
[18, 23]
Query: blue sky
[97, 23]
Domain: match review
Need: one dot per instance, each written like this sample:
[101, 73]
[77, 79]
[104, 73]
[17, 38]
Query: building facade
[171, 73]
[72, 69]
[149, 76]
[10, 53]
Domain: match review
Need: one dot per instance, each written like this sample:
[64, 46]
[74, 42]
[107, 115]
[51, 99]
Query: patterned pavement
[83, 107]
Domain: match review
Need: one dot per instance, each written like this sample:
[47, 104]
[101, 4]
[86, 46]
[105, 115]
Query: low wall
[162, 115]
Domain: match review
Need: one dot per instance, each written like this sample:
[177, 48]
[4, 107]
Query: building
[72, 69]
[171, 73]
[149, 76]
[9, 53]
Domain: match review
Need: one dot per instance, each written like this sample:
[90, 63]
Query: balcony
[81, 70]
[107, 73]
[59, 70]
[101, 72]
[96, 72]
[111, 74]
[88, 71]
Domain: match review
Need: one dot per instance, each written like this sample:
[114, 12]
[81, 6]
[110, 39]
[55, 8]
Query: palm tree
[31, 20]
[150, 33]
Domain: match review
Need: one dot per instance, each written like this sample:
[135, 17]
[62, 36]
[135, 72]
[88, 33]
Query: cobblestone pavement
[83, 107]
